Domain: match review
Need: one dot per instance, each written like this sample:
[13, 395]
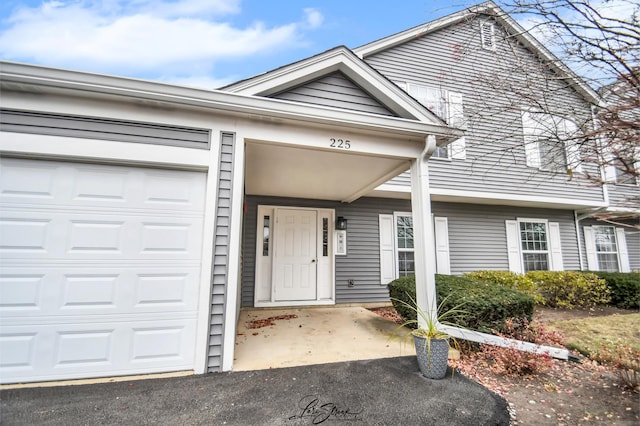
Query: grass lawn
[587, 335]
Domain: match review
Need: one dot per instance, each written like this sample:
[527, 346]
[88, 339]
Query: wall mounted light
[341, 223]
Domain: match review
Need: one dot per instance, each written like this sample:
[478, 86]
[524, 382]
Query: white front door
[295, 251]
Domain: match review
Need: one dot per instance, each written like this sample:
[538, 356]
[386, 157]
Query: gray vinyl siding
[362, 262]
[335, 90]
[624, 195]
[452, 59]
[104, 129]
[478, 240]
[220, 271]
[632, 236]
[403, 179]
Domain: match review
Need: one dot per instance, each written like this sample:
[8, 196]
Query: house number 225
[340, 143]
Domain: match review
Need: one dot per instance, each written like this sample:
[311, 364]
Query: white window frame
[523, 251]
[398, 249]
[539, 127]
[593, 262]
[598, 229]
[488, 36]
[514, 244]
[448, 106]
[389, 265]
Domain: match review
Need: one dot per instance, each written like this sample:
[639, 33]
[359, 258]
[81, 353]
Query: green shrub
[570, 289]
[486, 307]
[508, 279]
[624, 288]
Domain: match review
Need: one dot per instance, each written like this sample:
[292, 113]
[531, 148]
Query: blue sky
[205, 43]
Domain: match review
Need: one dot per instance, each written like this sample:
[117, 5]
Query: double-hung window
[606, 248]
[535, 246]
[397, 248]
[550, 142]
[448, 106]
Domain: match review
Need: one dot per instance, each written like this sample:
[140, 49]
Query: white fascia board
[477, 197]
[23, 77]
[512, 27]
[338, 59]
[404, 36]
[38, 146]
[452, 195]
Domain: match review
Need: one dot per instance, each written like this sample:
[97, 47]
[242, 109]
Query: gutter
[577, 220]
[17, 76]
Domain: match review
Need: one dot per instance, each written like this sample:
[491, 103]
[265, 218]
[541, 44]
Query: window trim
[533, 137]
[548, 237]
[450, 108]
[595, 229]
[397, 249]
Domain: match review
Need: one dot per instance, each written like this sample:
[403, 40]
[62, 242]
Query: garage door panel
[99, 269]
[63, 351]
[39, 291]
[64, 235]
[23, 180]
[86, 186]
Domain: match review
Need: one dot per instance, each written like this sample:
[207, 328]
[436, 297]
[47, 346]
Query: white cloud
[179, 37]
[314, 17]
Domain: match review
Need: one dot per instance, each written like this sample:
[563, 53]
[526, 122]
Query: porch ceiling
[283, 171]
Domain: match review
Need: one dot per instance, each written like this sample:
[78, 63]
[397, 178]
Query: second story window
[625, 170]
[550, 142]
[448, 106]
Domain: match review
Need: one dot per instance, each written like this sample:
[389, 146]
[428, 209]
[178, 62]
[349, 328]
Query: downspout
[603, 174]
[576, 220]
[422, 202]
[423, 233]
[484, 338]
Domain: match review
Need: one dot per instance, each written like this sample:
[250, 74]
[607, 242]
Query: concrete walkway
[387, 391]
[306, 336]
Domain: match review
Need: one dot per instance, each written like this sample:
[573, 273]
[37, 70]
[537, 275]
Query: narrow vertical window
[265, 235]
[325, 236]
[404, 238]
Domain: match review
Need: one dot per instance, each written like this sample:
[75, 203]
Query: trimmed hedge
[624, 288]
[570, 289]
[486, 306]
[508, 279]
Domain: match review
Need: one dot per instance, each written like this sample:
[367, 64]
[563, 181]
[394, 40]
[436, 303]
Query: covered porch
[288, 337]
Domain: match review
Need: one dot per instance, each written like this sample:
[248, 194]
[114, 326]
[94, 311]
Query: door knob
[313, 261]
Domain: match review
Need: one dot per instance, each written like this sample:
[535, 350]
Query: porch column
[423, 235]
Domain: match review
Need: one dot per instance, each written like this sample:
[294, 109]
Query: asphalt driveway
[387, 391]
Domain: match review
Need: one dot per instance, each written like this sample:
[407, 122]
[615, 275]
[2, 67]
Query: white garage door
[99, 269]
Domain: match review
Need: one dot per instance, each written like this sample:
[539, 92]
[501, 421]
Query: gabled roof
[339, 59]
[501, 17]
